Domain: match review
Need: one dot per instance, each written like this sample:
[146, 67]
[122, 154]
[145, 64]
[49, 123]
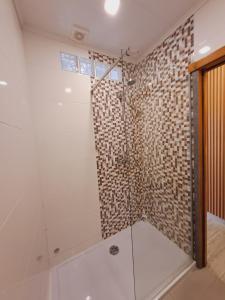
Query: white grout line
[171, 285]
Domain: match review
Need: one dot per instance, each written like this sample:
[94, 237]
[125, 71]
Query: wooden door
[214, 140]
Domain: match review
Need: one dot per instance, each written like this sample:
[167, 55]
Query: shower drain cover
[114, 250]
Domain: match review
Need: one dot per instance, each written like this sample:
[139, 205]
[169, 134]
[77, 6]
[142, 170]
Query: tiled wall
[162, 94]
[111, 148]
[154, 183]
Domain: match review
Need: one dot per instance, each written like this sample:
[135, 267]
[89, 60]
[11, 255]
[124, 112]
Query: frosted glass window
[86, 67]
[116, 74]
[100, 69]
[69, 62]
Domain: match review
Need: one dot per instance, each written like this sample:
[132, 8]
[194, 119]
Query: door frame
[197, 70]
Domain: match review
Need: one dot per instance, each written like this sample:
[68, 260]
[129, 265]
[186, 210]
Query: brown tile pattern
[154, 183]
[112, 150]
[162, 94]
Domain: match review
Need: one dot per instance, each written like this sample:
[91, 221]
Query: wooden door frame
[197, 70]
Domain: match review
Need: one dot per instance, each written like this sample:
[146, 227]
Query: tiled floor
[209, 283]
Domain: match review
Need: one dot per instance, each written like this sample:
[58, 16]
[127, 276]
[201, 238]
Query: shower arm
[126, 53]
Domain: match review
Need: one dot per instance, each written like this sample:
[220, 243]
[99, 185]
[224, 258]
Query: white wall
[66, 148]
[209, 27]
[22, 232]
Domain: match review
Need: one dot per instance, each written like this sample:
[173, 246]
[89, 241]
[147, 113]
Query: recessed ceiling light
[3, 83]
[112, 6]
[68, 90]
[204, 50]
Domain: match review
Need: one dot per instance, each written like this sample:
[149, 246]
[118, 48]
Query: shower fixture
[131, 82]
[121, 95]
[123, 54]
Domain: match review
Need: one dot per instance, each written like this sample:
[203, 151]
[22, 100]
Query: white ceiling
[139, 23]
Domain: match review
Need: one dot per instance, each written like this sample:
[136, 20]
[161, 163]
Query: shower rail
[123, 53]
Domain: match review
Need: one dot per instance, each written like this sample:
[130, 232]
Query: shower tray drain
[114, 250]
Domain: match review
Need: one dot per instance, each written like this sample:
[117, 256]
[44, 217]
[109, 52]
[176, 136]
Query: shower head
[120, 94]
[131, 82]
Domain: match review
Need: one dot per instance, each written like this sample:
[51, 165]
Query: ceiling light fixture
[112, 6]
[204, 50]
[68, 90]
[3, 83]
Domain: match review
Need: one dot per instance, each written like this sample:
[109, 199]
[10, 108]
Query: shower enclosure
[126, 185]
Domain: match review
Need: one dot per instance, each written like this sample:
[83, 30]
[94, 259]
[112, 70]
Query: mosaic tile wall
[112, 151]
[154, 183]
[163, 97]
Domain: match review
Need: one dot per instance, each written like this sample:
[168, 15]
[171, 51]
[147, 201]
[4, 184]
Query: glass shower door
[158, 107]
[110, 120]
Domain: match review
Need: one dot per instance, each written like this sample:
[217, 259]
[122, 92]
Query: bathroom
[108, 189]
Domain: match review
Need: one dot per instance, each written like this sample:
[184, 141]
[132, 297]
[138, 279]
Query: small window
[100, 69]
[69, 62]
[86, 67]
[116, 74]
